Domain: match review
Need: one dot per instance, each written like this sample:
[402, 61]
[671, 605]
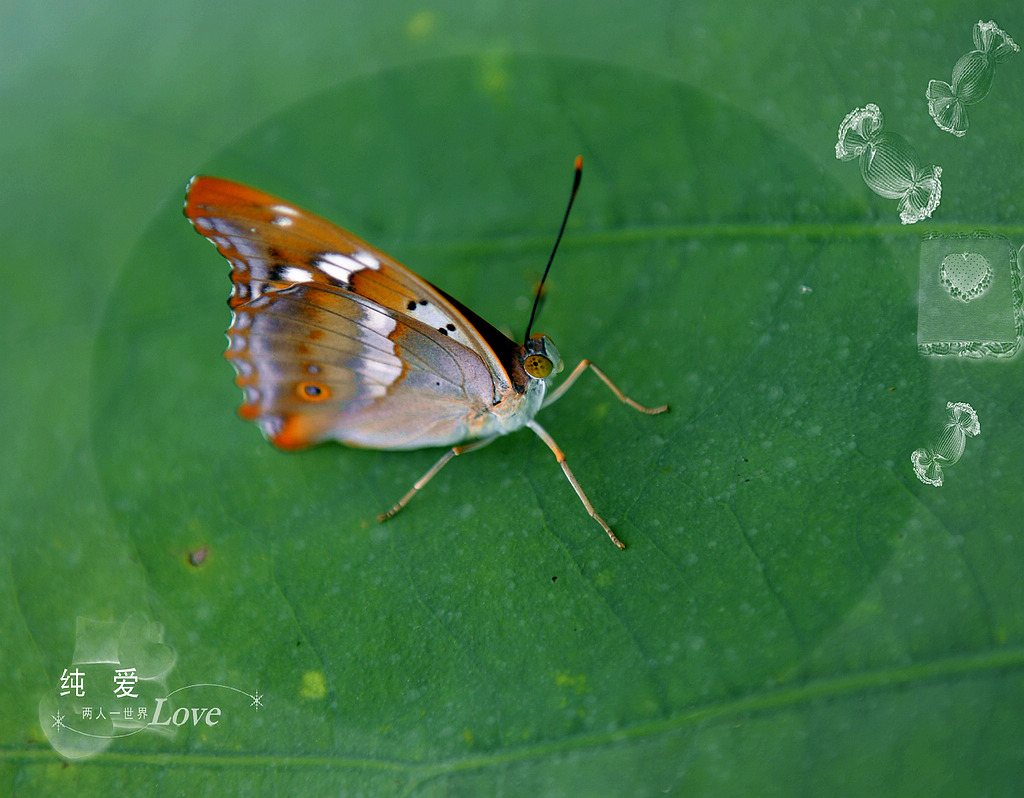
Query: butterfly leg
[555, 395]
[453, 452]
[560, 457]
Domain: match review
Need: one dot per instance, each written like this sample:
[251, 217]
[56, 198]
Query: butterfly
[332, 339]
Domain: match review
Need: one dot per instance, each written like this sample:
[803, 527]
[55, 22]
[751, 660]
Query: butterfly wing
[333, 339]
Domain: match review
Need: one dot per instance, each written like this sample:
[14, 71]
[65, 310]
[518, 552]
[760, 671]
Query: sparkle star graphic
[58, 721]
[257, 700]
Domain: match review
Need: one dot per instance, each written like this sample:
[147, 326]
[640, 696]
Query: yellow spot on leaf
[494, 76]
[421, 25]
[602, 578]
[577, 683]
[314, 685]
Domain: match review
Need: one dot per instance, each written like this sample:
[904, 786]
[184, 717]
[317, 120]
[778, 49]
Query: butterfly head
[539, 358]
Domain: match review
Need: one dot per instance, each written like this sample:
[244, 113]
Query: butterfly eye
[312, 391]
[538, 366]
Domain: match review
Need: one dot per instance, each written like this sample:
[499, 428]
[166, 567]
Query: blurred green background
[795, 614]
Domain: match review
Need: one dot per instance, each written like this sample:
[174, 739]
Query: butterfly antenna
[561, 230]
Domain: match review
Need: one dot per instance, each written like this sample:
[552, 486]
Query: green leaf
[795, 612]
